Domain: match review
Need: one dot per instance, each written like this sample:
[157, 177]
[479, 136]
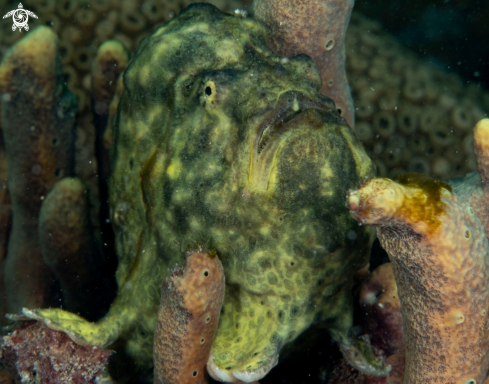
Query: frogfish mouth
[293, 111]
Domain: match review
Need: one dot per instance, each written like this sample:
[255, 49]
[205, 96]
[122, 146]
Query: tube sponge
[38, 115]
[474, 188]
[317, 29]
[111, 60]
[191, 301]
[440, 257]
[71, 252]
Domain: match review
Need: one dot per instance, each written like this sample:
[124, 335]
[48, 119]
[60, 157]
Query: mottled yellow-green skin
[190, 166]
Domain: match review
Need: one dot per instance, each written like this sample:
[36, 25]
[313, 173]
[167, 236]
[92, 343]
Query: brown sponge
[38, 114]
[191, 300]
[70, 250]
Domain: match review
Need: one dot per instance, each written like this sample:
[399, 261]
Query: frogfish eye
[208, 93]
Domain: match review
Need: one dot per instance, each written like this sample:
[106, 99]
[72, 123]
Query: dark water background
[451, 33]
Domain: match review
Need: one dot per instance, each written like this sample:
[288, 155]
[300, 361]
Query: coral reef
[191, 163]
[35, 353]
[315, 28]
[186, 138]
[410, 114]
[191, 301]
[439, 253]
[38, 116]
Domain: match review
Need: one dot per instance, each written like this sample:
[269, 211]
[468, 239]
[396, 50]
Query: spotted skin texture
[217, 140]
[439, 254]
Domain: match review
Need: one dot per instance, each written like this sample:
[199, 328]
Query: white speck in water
[240, 13]
[36, 169]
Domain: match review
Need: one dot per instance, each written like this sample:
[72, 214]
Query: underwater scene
[244, 191]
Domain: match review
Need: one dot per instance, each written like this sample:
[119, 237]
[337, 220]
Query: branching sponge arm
[316, 28]
[440, 257]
